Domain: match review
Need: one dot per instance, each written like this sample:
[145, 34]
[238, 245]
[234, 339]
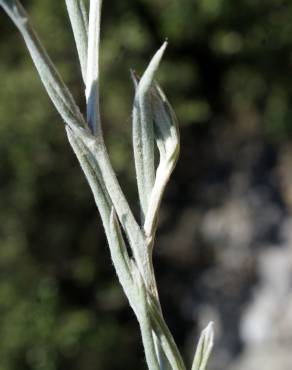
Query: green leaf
[143, 133]
[204, 348]
[167, 140]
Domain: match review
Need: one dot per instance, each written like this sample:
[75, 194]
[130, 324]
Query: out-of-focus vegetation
[227, 74]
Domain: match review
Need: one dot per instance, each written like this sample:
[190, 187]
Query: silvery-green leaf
[79, 22]
[143, 134]
[204, 348]
[53, 83]
[165, 126]
[92, 74]
[167, 139]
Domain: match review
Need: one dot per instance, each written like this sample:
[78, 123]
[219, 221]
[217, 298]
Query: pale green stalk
[153, 122]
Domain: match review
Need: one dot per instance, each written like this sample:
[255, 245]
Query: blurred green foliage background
[227, 73]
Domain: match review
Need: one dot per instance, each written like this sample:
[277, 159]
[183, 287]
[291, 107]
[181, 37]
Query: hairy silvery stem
[154, 123]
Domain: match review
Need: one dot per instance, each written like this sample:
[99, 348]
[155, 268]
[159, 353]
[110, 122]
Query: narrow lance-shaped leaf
[167, 139]
[204, 348]
[143, 135]
[79, 22]
[56, 89]
[92, 74]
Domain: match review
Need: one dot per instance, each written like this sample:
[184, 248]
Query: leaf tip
[204, 348]
[208, 334]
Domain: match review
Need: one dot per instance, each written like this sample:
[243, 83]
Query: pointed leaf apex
[148, 75]
[160, 51]
[204, 348]
[208, 332]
